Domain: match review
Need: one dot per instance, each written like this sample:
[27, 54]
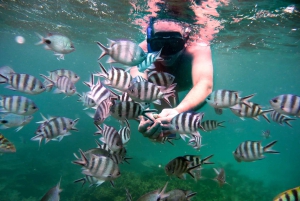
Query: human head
[169, 35]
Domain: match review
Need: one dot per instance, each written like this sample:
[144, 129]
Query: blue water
[259, 56]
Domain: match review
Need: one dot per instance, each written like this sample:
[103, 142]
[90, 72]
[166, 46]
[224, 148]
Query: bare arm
[202, 75]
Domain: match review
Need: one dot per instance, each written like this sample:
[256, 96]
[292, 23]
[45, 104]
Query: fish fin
[103, 72]
[286, 121]
[110, 42]
[83, 161]
[265, 117]
[246, 99]
[59, 56]
[220, 124]
[112, 183]
[267, 148]
[10, 87]
[42, 41]
[18, 129]
[81, 180]
[38, 137]
[57, 91]
[218, 111]
[162, 194]
[3, 127]
[102, 139]
[105, 50]
[206, 160]
[110, 60]
[86, 172]
[90, 114]
[157, 102]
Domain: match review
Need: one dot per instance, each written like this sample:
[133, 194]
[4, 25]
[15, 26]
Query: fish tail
[103, 72]
[267, 148]
[169, 92]
[83, 180]
[246, 99]
[91, 82]
[105, 50]
[220, 124]
[287, 121]
[38, 138]
[206, 160]
[83, 161]
[189, 171]
[42, 41]
[264, 114]
[5, 78]
[162, 194]
[189, 196]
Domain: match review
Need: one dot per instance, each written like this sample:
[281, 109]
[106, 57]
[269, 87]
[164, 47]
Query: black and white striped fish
[281, 119]
[63, 85]
[98, 92]
[180, 195]
[54, 128]
[289, 195]
[161, 78]
[225, 98]
[101, 167]
[123, 51]
[288, 104]
[17, 105]
[110, 137]
[187, 123]
[24, 83]
[125, 132]
[221, 176]
[179, 166]
[129, 110]
[196, 142]
[153, 195]
[86, 101]
[102, 112]
[149, 92]
[147, 64]
[252, 150]
[253, 110]
[55, 74]
[9, 120]
[115, 77]
[210, 125]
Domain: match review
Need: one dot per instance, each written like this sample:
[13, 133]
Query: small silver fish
[147, 63]
[124, 51]
[55, 74]
[10, 120]
[53, 193]
[155, 195]
[58, 43]
[111, 137]
[63, 84]
[252, 150]
[281, 119]
[288, 104]
[86, 101]
[125, 132]
[221, 177]
[24, 83]
[102, 112]
[17, 105]
[6, 146]
[161, 78]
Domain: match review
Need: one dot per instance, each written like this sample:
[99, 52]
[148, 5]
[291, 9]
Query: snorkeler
[190, 64]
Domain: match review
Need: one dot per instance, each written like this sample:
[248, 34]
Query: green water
[254, 56]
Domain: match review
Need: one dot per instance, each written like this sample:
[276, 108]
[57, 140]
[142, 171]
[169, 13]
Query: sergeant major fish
[63, 84]
[289, 195]
[124, 51]
[180, 195]
[148, 61]
[155, 195]
[24, 83]
[58, 43]
[221, 177]
[252, 150]
[55, 74]
[179, 166]
[210, 125]
[111, 137]
[281, 118]
[86, 101]
[53, 193]
[288, 104]
[161, 78]
[10, 120]
[18, 105]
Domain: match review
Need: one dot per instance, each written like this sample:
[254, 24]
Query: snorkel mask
[170, 42]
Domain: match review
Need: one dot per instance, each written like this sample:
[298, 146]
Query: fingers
[154, 131]
[144, 124]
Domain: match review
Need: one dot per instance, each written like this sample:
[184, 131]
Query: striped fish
[149, 92]
[54, 128]
[6, 146]
[129, 110]
[98, 92]
[10, 120]
[116, 77]
[93, 181]
[102, 112]
[180, 195]
[289, 195]
[225, 98]
[147, 64]
[24, 83]
[63, 84]
[154, 195]
[18, 105]
[253, 110]
[187, 123]
[124, 51]
[55, 74]
[179, 166]
[101, 167]
[196, 142]
[288, 104]
[125, 132]
[53, 193]
[281, 119]
[5, 71]
[110, 136]
[221, 177]
[161, 78]
[210, 125]
[252, 150]
[87, 102]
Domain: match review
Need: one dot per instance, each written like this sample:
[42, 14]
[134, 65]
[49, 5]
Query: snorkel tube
[149, 34]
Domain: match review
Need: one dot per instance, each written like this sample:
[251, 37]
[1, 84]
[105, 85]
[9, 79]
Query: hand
[150, 129]
[165, 118]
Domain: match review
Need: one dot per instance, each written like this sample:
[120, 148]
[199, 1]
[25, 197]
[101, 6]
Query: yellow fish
[6, 146]
[289, 195]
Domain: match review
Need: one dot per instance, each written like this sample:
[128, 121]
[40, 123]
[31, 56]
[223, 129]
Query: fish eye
[34, 107]
[275, 100]
[41, 87]
[76, 76]
[132, 90]
[208, 98]
[71, 122]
